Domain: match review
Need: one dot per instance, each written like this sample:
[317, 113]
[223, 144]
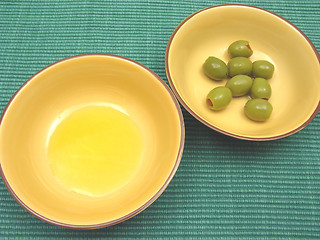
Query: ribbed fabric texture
[224, 188]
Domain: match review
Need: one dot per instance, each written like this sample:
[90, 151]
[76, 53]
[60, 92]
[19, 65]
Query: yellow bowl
[295, 84]
[90, 141]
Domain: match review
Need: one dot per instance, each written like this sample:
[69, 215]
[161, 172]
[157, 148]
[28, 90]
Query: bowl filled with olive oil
[90, 141]
[244, 71]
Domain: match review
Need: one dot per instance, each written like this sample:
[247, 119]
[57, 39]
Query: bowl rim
[203, 121]
[148, 202]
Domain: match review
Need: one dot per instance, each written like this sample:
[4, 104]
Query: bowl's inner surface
[89, 140]
[295, 84]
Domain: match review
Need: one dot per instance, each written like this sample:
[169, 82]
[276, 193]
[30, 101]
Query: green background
[224, 188]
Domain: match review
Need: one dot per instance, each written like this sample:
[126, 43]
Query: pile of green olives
[245, 78]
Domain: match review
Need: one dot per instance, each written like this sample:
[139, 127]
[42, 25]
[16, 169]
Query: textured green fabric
[224, 188]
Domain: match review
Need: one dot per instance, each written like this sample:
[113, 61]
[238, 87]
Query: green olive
[215, 68]
[219, 98]
[262, 69]
[260, 89]
[240, 48]
[258, 109]
[239, 66]
[239, 85]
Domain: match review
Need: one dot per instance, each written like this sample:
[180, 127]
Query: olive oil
[95, 150]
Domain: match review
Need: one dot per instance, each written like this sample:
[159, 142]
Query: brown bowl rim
[195, 115]
[146, 204]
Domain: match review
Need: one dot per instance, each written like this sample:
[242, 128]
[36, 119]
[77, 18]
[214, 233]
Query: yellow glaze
[90, 140]
[295, 84]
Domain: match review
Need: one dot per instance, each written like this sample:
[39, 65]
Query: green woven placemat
[224, 188]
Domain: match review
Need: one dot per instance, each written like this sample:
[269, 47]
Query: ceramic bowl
[90, 141]
[295, 83]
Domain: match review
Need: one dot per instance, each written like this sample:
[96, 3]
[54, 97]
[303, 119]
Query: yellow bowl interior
[295, 84]
[74, 83]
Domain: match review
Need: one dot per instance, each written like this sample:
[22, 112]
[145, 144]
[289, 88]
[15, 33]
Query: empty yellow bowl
[90, 141]
[295, 83]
